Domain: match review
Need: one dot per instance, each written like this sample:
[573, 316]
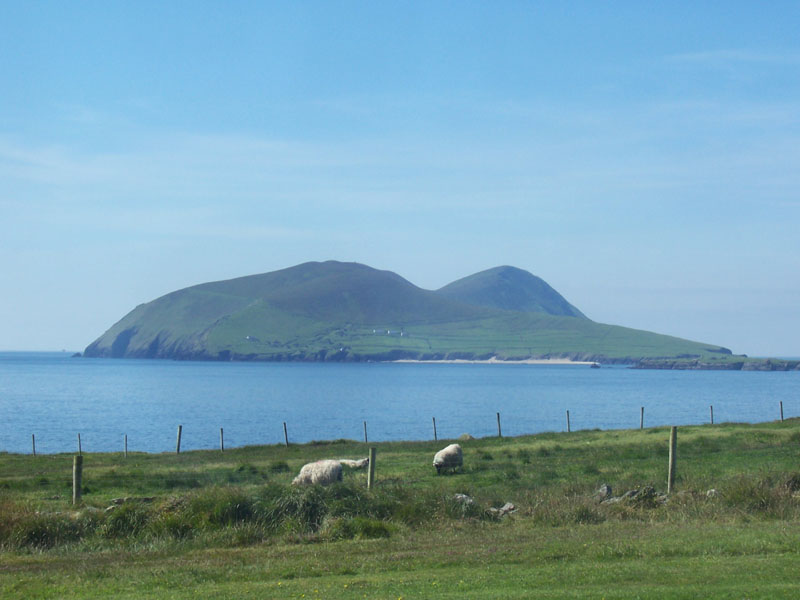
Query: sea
[51, 398]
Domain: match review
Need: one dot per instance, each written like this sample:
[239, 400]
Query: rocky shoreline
[747, 364]
[684, 363]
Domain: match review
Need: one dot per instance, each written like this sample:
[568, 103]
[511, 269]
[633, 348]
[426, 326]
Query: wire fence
[144, 474]
[498, 423]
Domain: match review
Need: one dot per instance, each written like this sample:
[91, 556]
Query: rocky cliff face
[744, 364]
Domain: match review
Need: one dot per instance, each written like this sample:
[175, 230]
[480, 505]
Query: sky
[643, 158]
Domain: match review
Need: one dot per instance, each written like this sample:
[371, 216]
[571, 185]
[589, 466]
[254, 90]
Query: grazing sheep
[322, 472]
[448, 458]
[354, 464]
[325, 472]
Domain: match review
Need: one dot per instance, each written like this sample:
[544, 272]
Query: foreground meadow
[229, 525]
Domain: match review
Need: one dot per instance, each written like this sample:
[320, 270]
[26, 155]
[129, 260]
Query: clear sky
[641, 157]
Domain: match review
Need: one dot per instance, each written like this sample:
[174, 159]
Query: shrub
[758, 495]
[127, 520]
[300, 509]
[338, 528]
[172, 525]
[366, 528]
[415, 508]
[221, 506]
[41, 531]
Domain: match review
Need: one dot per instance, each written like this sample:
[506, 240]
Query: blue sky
[643, 158]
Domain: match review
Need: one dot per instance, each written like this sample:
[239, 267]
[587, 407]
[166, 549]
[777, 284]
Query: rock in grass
[604, 492]
[504, 510]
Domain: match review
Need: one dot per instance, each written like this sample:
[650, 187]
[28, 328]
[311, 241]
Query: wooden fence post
[781, 411]
[221, 441]
[285, 434]
[371, 471]
[178, 443]
[33, 441]
[711, 408]
[80, 452]
[365, 433]
[499, 431]
[435, 438]
[568, 426]
[641, 418]
[126, 445]
[77, 476]
[673, 446]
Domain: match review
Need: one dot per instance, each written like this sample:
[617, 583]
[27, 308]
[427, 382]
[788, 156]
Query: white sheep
[448, 458]
[325, 472]
[354, 464]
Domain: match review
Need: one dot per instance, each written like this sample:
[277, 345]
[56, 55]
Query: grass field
[228, 525]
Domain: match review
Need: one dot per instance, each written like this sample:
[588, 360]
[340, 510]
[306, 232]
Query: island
[350, 312]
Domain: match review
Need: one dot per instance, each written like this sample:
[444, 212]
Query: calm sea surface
[56, 397]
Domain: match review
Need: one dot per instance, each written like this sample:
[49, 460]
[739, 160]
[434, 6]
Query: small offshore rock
[465, 437]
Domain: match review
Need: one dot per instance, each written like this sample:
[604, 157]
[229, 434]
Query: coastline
[497, 361]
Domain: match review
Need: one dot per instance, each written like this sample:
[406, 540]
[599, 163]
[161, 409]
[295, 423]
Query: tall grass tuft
[36, 531]
[221, 506]
[126, 521]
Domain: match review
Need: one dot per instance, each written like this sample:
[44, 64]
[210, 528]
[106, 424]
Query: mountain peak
[510, 288]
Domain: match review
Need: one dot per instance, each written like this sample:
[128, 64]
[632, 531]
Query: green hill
[509, 288]
[352, 312]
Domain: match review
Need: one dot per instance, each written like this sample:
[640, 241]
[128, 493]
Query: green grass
[516, 335]
[221, 525]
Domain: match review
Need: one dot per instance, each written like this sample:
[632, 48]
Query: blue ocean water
[56, 397]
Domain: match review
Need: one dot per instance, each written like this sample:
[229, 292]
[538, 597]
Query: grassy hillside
[507, 336]
[223, 525]
[346, 311]
[509, 288]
